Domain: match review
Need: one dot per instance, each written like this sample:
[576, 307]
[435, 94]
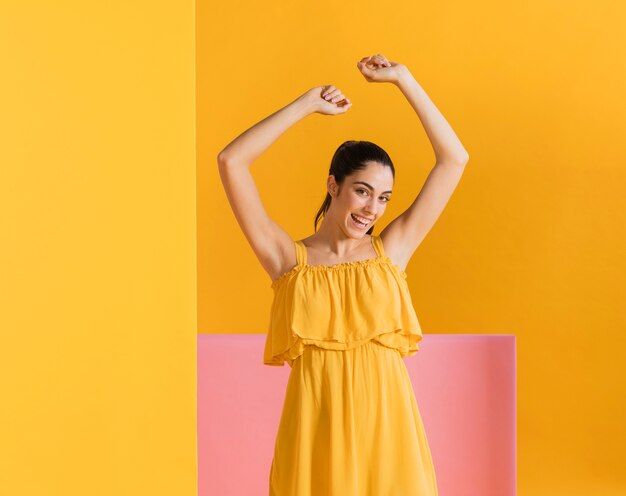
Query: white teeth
[357, 219]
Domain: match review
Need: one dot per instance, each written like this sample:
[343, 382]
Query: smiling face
[362, 198]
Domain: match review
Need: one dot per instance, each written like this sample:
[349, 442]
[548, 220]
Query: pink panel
[465, 388]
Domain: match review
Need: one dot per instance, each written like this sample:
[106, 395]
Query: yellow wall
[97, 249]
[533, 241]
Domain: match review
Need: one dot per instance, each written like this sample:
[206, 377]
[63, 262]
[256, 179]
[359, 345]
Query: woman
[342, 316]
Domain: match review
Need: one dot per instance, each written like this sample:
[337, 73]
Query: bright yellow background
[532, 243]
[97, 249]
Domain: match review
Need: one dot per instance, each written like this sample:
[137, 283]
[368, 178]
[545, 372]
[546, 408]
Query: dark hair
[351, 156]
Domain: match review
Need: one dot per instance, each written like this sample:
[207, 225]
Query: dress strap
[378, 245]
[300, 252]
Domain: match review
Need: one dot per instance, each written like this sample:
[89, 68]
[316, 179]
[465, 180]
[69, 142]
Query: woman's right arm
[272, 245]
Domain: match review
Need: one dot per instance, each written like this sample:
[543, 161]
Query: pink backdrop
[464, 385]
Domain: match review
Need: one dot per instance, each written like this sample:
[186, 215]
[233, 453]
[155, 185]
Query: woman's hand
[377, 69]
[328, 100]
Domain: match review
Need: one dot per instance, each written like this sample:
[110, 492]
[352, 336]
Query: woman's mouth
[360, 222]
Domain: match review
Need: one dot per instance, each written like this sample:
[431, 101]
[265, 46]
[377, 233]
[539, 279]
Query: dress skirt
[350, 426]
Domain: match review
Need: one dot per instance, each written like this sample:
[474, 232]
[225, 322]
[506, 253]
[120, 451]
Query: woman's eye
[385, 198]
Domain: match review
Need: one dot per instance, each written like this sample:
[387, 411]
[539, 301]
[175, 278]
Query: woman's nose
[371, 207]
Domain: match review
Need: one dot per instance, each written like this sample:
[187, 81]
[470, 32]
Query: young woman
[342, 316]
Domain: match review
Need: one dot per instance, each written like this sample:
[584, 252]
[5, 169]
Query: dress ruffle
[340, 307]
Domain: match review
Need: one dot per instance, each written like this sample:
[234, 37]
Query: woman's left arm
[405, 233]
[448, 149]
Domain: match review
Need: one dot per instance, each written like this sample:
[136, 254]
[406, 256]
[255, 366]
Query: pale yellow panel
[97, 249]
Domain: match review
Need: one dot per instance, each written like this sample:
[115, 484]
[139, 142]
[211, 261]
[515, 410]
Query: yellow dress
[350, 424]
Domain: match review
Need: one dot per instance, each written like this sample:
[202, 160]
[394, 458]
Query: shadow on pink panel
[465, 386]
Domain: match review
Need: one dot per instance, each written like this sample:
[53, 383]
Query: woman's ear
[331, 185]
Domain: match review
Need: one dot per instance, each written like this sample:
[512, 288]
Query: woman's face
[362, 198]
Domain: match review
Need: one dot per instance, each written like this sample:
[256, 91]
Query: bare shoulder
[395, 246]
[285, 257]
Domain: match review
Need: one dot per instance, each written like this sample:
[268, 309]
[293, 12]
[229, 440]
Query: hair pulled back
[352, 156]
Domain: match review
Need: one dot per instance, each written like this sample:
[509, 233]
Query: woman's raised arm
[404, 234]
[272, 245]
